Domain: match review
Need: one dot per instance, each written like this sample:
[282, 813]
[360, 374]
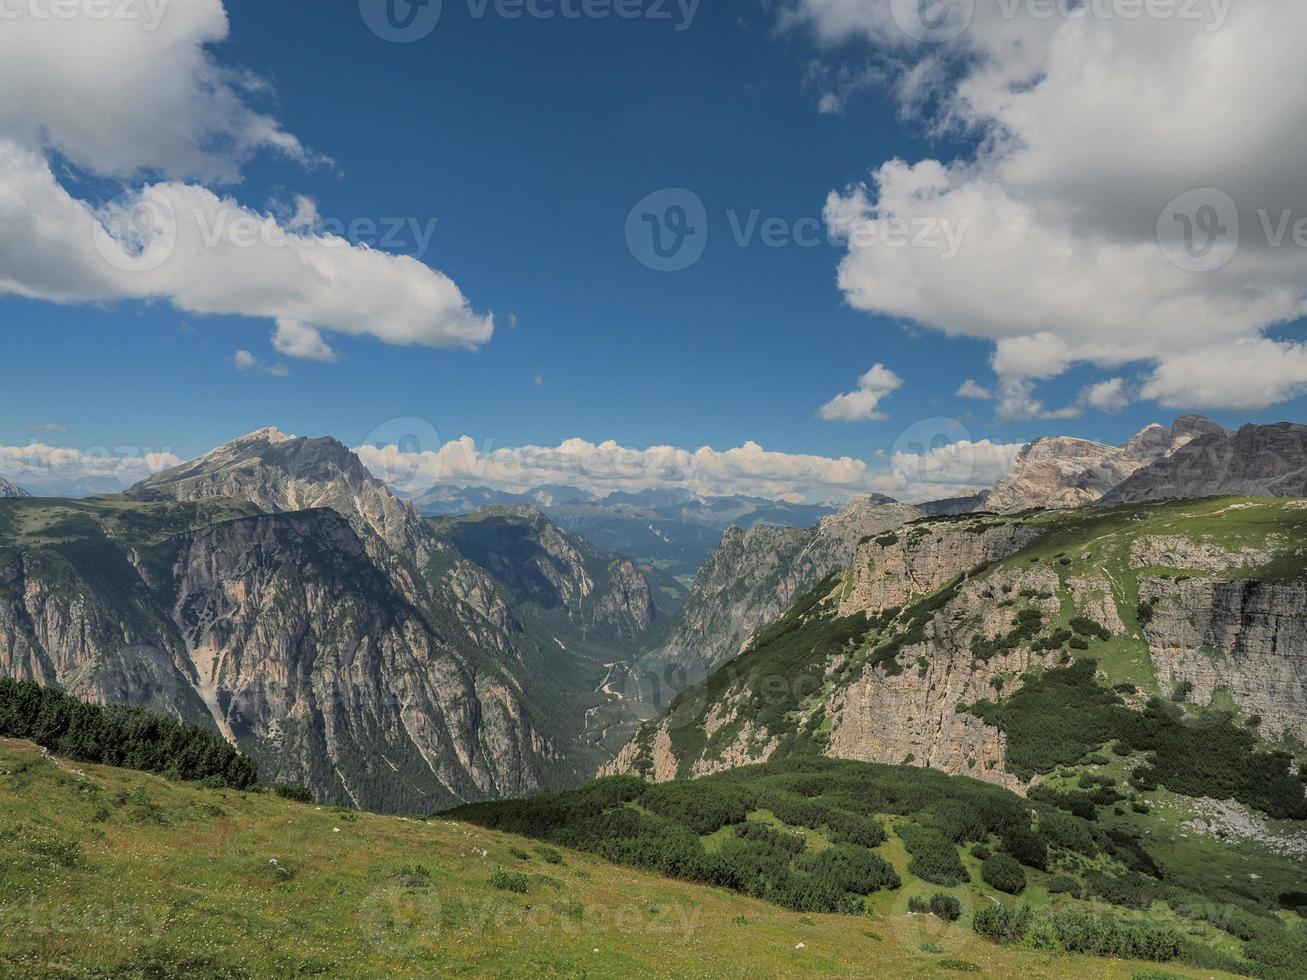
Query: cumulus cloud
[1089, 128]
[957, 469]
[864, 404]
[606, 467]
[1112, 395]
[297, 339]
[243, 360]
[975, 390]
[53, 471]
[74, 87]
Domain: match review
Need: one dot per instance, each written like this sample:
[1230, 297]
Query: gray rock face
[1256, 461]
[8, 489]
[887, 718]
[279, 632]
[756, 575]
[540, 563]
[1248, 638]
[1061, 472]
[918, 560]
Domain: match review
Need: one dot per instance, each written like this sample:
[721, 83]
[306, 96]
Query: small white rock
[800, 946]
[335, 830]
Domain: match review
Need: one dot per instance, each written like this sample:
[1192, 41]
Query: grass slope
[111, 873]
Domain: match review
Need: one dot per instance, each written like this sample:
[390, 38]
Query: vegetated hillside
[747, 584]
[1203, 598]
[107, 872]
[1119, 878]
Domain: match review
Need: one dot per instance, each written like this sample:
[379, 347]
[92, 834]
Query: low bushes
[933, 856]
[941, 905]
[1085, 933]
[1004, 873]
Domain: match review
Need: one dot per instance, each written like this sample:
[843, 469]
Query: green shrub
[510, 881]
[933, 856]
[1065, 885]
[289, 791]
[945, 907]
[1088, 628]
[550, 855]
[1004, 873]
[1002, 925]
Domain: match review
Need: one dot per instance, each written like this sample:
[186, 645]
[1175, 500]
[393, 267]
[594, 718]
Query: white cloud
[44, 427]
[76, 87]
[1088, 128]
[47, 470]
[954, 470]
[608, 466]
[1249, 375]
[972, 389]
[1111, 396]
[864, 404]
[243, 360]
[296, 339]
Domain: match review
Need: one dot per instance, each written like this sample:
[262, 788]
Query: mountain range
[8, 489]
[274, 591]
[676, 530]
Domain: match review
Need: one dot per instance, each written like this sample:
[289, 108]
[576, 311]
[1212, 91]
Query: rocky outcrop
[8, 489]
[1178, 551]
[1256, 461]
[279, 632]
[890, 569]
[1061, 472]
[539, 563]
[755, 576]
[1247, 638]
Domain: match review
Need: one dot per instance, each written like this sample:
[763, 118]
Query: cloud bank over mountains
[958, 469]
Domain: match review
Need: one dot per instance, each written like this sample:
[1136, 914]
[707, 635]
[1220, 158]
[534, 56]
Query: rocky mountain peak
[8, 489]
[1062, 471]
[279, 473]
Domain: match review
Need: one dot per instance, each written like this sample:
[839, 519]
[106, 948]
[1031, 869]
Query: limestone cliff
[279, 632]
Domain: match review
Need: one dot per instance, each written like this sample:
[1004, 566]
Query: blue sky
[526, 143]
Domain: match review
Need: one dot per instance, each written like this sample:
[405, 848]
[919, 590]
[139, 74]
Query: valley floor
[111, 873]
